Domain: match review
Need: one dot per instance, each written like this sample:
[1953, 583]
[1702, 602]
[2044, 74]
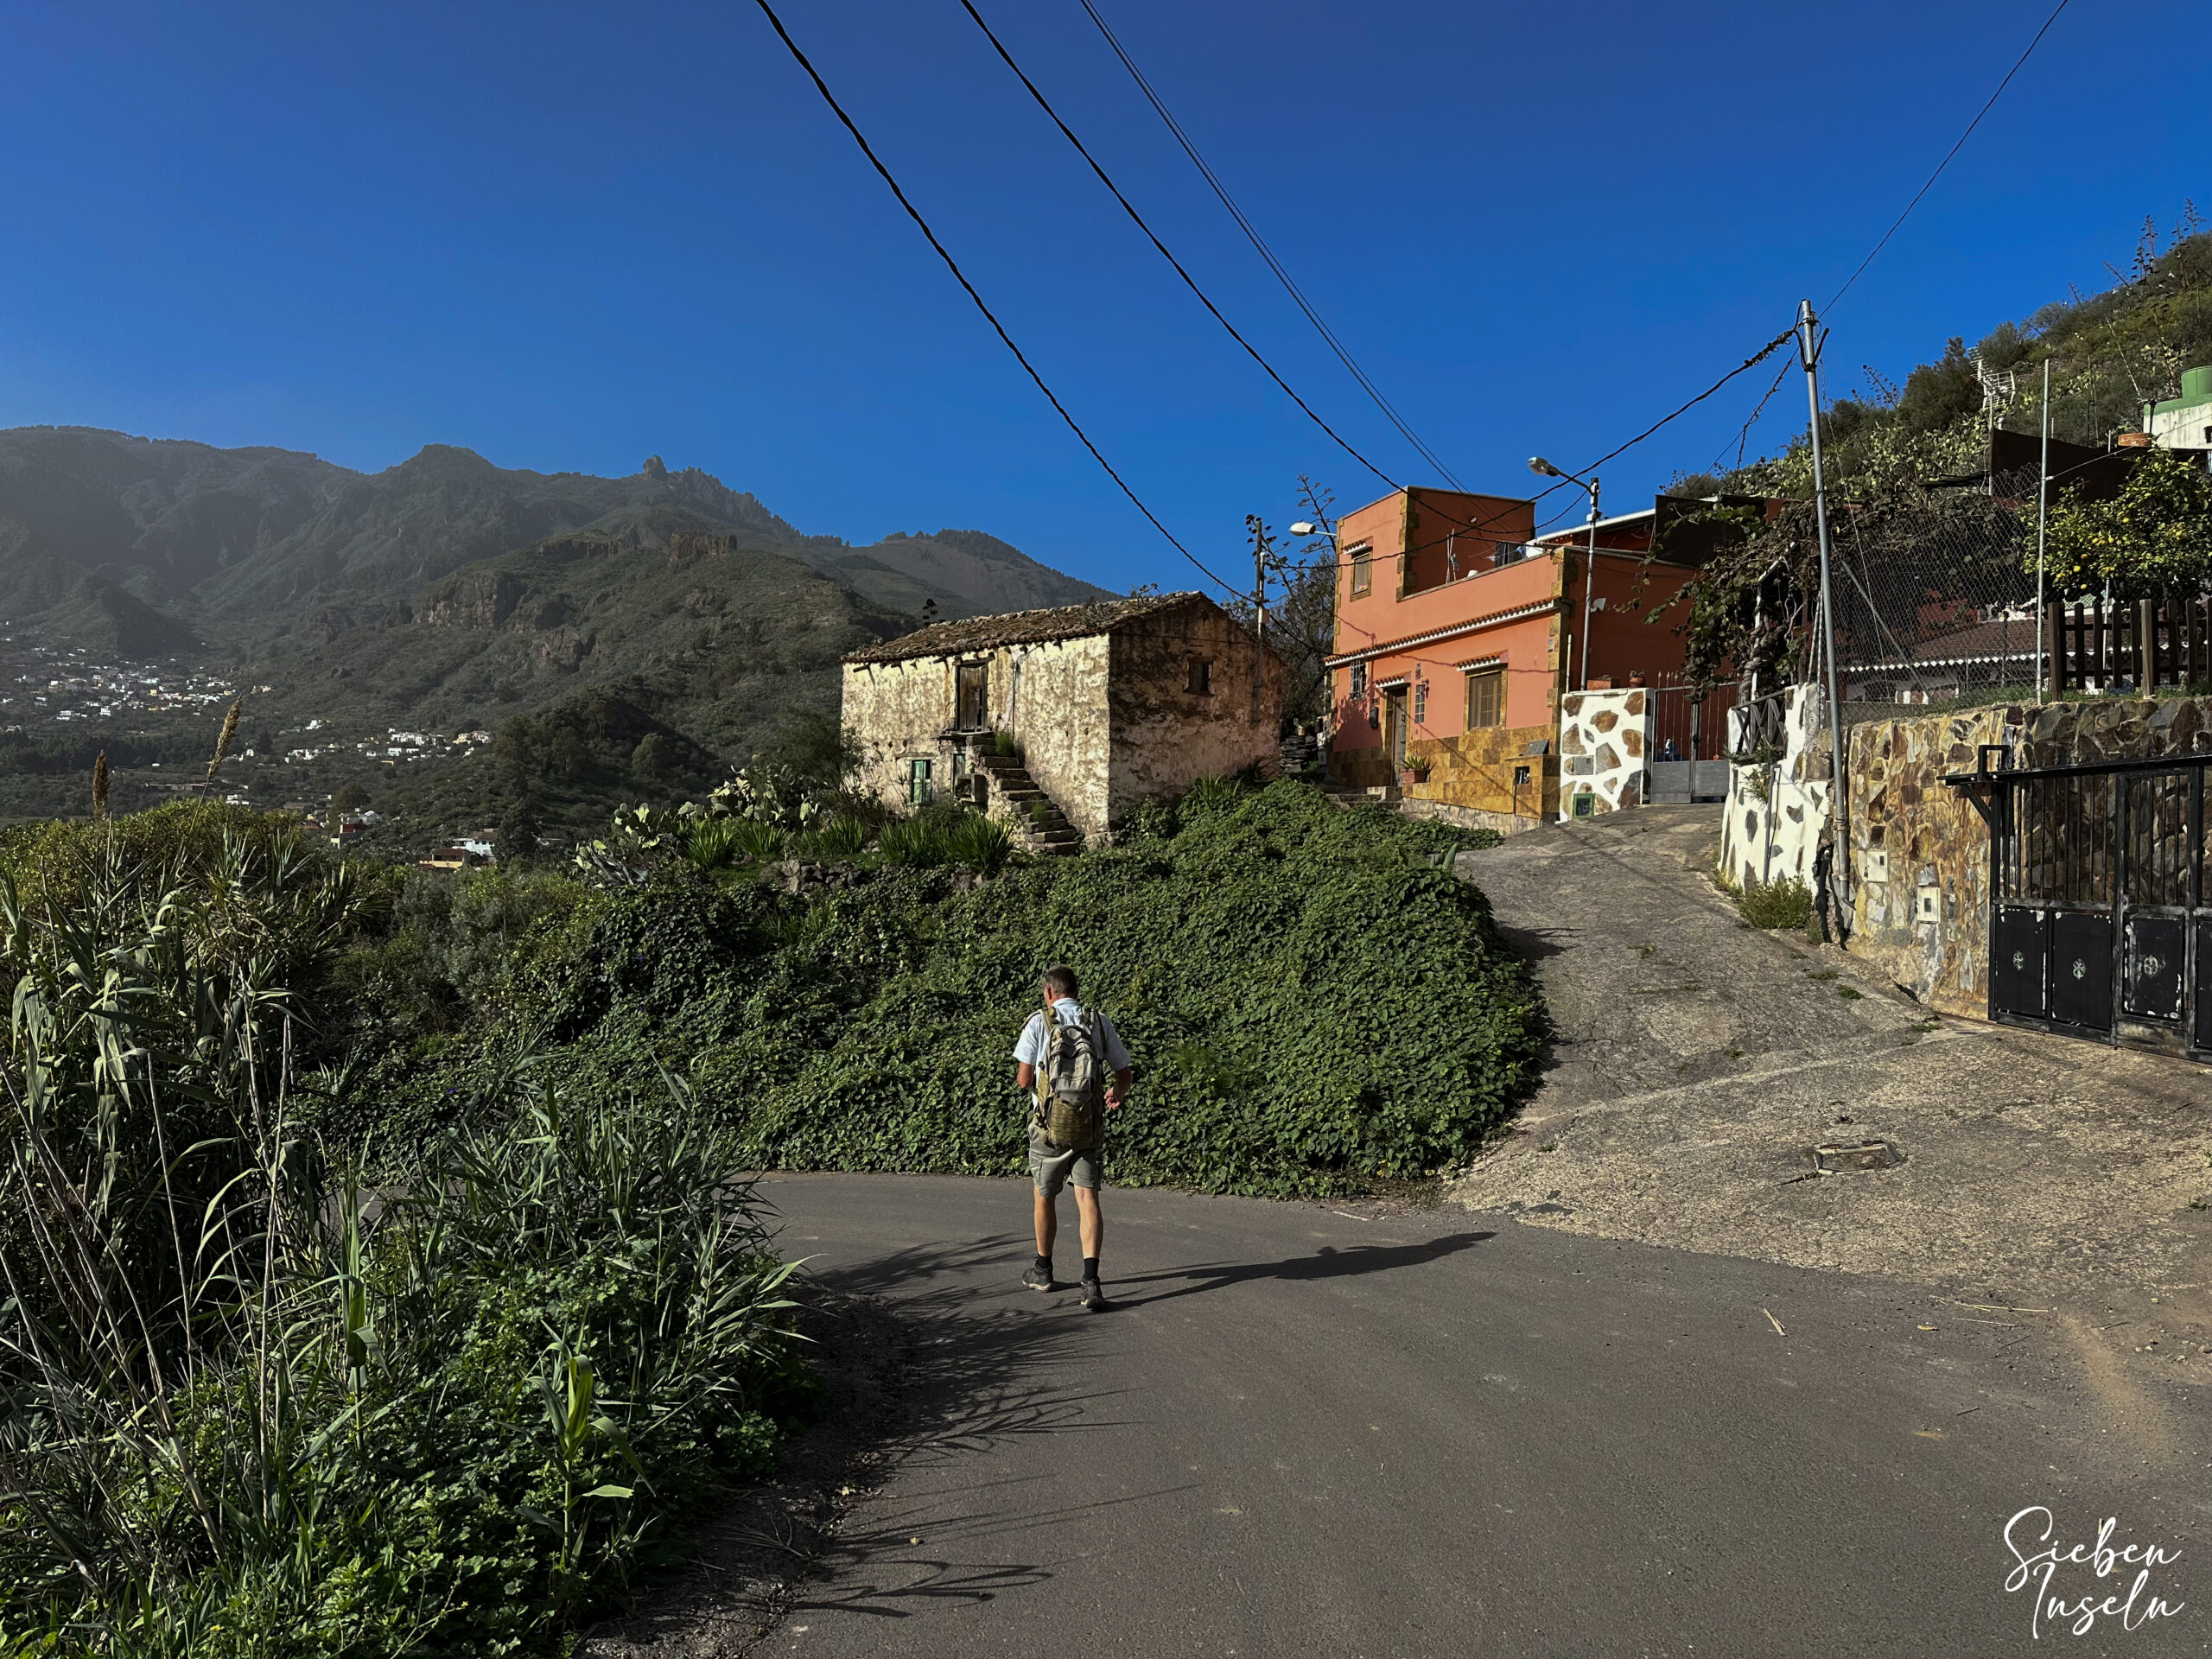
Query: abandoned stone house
[1062, 723]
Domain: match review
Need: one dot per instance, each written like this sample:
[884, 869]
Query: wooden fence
[2150, 642]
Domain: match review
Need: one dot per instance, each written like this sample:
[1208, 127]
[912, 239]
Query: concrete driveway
[1696, 1061]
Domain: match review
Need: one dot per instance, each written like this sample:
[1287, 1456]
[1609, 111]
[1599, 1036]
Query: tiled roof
[1978, 642]
[1021, 628]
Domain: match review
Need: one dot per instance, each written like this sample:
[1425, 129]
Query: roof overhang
[1437, 636]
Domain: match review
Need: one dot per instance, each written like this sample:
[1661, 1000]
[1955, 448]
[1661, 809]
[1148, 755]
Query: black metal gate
[2101, 919]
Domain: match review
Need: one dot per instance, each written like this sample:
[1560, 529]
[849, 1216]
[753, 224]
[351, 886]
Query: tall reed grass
[250, 1404]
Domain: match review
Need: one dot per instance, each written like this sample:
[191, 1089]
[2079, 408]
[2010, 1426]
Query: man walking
[1063, 1058]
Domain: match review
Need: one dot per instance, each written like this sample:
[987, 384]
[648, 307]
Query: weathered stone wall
[1604, 738]
[1165, 735]
[1920, 850]
[1051, 697]
[1778, 814]
[1470, 777]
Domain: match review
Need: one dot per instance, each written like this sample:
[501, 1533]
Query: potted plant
[1418, 767]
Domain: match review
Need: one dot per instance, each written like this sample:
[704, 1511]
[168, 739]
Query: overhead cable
[953, 265]
[1953, 151]
[1189, 281]
[1260, 246]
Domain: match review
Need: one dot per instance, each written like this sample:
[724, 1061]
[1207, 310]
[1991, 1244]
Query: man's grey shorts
[1054, 1169]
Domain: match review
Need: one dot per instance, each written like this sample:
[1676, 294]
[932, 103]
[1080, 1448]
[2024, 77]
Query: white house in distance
[1077, 714]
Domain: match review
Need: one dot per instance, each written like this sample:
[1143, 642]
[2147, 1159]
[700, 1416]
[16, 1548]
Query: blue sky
[570, 237]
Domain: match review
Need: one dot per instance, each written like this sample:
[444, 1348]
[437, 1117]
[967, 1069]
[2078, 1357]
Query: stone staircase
[1037, 824]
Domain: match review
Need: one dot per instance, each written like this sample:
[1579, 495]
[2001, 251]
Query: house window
[1359, 679]
[1201, 681]
[1363, 572]
[1485, 698]
[918, 782]
[1420, 701]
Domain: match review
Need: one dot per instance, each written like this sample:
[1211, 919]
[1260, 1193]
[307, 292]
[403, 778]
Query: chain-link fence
[1935, 594]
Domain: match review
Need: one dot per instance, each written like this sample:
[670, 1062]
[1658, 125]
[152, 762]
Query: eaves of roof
[1437, 636]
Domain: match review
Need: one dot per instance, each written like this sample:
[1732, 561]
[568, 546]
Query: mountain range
[445, 594]
[105, 537]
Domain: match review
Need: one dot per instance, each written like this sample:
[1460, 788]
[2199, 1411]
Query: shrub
[918, 842]
[1003, 746]
[841, 837]
[980, 843]
[1313, 1002]
[1775, 904]
[753, 840]
[711, 843]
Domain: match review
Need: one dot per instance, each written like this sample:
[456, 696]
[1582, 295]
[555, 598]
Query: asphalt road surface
[1299, 1432]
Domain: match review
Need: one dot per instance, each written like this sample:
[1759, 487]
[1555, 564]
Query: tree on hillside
[2154, 538]
[350, 798]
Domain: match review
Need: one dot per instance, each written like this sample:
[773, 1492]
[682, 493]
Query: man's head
[1060, 983]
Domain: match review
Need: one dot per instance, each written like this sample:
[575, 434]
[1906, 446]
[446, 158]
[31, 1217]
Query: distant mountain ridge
[139, 544]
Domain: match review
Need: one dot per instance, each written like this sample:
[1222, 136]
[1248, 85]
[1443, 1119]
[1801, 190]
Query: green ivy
[1313, 998]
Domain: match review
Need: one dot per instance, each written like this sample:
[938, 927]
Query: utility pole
[1589, 583]
[1809, 352]
[1259, 529]
[2043, 520]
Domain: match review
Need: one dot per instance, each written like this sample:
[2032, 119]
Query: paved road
[1300, 1433]
[1694, 1062]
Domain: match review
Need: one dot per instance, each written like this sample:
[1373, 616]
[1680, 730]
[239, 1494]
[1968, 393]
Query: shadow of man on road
[1326, 1263]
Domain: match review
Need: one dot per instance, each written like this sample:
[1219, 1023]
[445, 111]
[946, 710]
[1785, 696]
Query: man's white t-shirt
[1030, 1051]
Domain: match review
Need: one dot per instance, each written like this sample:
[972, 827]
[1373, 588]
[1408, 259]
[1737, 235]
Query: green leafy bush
[1775, 904]
[248, 1407]
[1313, 1002]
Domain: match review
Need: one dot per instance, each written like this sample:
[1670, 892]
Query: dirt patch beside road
[1696, 1062]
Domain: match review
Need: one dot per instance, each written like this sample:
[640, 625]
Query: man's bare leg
[1092, 1220]
[1048, 1222]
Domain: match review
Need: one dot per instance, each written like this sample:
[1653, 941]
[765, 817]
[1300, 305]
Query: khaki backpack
[1071, 1082]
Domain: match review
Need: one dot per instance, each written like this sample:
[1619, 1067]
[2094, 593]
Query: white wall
[1776, 814]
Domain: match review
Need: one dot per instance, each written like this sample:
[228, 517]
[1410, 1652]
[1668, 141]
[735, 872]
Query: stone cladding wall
[1604, 737]
[1920, 850]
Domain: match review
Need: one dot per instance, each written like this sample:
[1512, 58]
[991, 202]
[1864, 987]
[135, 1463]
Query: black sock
[1043, 1264]
[1090, 1267]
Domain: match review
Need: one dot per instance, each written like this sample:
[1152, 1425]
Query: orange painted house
[1459, 629]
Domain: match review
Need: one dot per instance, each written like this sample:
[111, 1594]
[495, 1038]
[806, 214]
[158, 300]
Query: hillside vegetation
[2110, 353]
[1314, 1000]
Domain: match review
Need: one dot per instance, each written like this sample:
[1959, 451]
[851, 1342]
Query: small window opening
[1362, 570]
[918, 782]
[1201, 681]
[1420, 701]
[1485, 698]
[1359, 679]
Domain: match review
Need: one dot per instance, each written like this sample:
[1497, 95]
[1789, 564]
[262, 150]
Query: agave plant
[980, 843]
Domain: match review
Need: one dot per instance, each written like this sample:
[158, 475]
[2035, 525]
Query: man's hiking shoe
[1094, 1298]
[1038, 1279]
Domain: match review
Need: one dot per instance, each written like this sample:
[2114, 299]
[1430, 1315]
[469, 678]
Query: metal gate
[2101, 919]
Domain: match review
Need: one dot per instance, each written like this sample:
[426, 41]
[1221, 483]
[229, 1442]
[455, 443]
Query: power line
[1189, 281]
[953, 265]
[1265, 253]
[1752, 362]
[1953, 151]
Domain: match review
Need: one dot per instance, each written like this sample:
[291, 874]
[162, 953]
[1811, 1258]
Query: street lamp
[1539, 465]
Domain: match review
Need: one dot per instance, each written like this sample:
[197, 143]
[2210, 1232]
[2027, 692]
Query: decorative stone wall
[1604, 739]
[1920, 850]
[1777, 811]
[1487, 779]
